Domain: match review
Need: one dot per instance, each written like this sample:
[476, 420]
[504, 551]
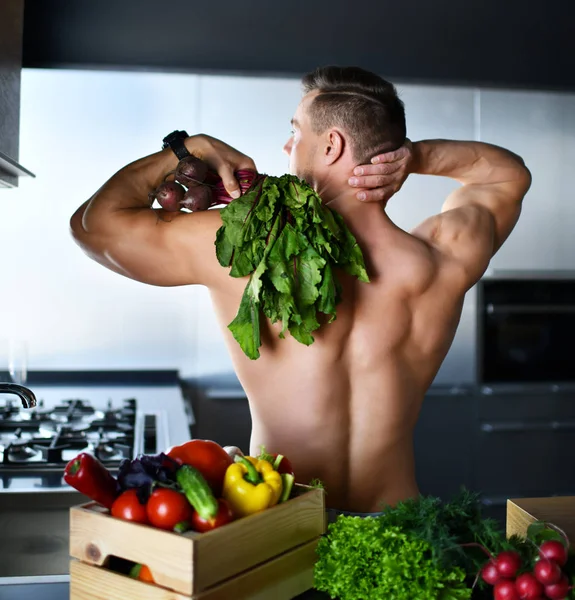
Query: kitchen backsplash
[79, 127]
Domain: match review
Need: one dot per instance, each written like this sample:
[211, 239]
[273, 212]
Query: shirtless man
[343, 409]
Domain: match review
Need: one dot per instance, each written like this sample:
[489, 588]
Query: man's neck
[358, 215]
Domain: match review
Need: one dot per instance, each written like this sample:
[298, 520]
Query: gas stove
[36, 444]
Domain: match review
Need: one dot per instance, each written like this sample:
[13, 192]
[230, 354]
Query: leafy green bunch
[282, 236]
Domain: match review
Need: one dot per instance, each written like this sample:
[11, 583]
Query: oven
[526, 329]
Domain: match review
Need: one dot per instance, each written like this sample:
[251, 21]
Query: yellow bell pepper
[251, 485]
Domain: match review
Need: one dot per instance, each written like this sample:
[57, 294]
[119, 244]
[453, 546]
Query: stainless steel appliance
[112, 423]
[526, 327]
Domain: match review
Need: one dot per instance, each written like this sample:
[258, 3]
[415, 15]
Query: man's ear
[334, 146]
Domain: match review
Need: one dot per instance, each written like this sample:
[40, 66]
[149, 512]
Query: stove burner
[8, 410]
[44, 440]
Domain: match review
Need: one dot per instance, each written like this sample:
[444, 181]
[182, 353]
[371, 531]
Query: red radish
[559, 590]
[191, 171]
[547, 571]
[506, 590]
[554, 550]
[528, 586]
[490, 573]
[508, 563]
[169, 194]
[198, 198]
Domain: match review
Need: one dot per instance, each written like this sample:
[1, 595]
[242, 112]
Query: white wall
[78, 128]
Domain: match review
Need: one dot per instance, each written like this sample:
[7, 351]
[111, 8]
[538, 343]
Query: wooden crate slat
[281, 578]
[238, 546]
[95, 536]
[88, 582]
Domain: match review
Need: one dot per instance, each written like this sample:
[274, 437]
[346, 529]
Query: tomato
[166, 508]
[224, 516]
[285, 465]
[127, 506]
[209, 458]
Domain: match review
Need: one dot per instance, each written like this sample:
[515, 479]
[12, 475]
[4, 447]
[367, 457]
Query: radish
[559, 590]
[528, 586]
[197, 198]
[506, 590]
[490, 573]
[169, 194]
[508, 563]
[554, 550]
[191, 171]
[547, 571]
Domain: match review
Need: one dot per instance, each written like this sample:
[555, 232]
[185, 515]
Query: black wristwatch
[175, 141]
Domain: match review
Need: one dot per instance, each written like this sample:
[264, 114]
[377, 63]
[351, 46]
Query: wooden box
[270, 553]
[559, 510]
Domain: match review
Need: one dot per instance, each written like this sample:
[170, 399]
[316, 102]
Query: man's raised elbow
[76, 226]
[524, 177]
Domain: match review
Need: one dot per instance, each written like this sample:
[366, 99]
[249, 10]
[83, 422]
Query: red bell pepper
[208, 457]
[90, 477]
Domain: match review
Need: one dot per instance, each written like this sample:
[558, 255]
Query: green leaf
[327, 293]
[246, 326]
[538, 532]
[309, 267]
[224, 248]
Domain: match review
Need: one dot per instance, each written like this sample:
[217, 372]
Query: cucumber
[197, 491]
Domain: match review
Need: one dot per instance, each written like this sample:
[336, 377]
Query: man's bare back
[343, 409]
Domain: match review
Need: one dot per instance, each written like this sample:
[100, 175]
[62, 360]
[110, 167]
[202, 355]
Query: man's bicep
[465, 236]
[158, 248]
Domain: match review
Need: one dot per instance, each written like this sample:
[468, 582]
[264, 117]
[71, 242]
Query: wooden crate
[191, 563]
[559, 510]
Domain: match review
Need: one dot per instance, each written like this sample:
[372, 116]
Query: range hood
[10, 171]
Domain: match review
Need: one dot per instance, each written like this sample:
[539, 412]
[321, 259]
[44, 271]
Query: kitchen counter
[27, 589]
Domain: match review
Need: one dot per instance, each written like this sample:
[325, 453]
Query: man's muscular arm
[118, 228]
[477, 217]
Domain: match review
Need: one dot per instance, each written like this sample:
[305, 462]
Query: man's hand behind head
[383, 178]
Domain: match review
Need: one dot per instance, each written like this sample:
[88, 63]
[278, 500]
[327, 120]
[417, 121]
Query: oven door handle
[493, 309]
[522, 426]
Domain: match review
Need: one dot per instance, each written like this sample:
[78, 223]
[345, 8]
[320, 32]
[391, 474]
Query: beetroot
[169, 194]
[191, 171]
[198, 198]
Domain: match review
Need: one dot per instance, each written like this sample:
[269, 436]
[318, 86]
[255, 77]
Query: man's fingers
[394, 156]
[372, 181]
[378, 195]
[380, 169]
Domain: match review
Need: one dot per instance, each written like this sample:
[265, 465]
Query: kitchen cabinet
[491, 43]
[442, 441]
[11, 28]
[221, 412]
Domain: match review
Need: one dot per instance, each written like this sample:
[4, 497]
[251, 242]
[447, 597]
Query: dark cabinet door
[443, 442]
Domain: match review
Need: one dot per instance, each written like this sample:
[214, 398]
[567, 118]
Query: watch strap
[175, 141]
